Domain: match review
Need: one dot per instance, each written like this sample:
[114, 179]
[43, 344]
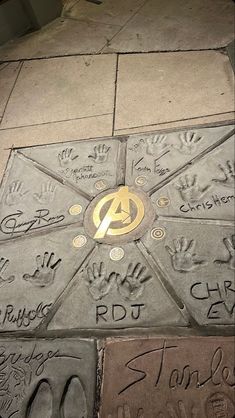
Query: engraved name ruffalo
[24, 316]
[218, 373]
[12, 224]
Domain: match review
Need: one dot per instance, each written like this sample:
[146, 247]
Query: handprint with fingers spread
[157, 144]
[183, 258]
[125, 412]
[179, 411]
[4, 263]
[66, 157]
[131, 287]
[44, 275]
[189, 141]
[101, 153]
[15, 193]
[189, 189]
[230, 245]
[99, 284]
[227, 172]
[46, 194]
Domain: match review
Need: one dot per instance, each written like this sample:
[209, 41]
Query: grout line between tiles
[221, 49]
[173, 121]
[19, 71]
[115, 95]
[54, 121]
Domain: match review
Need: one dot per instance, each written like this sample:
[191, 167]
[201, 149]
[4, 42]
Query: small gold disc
[141, 181]
[163, 202]
[117, 254]
[79, 241]
[101, 185]
[75, 210]
[158, 233]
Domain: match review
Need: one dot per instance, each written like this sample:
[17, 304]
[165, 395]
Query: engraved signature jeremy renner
[14, 224]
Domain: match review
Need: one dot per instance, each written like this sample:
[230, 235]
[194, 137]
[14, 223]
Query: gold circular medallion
[158, 233]
[75, 210]
[163, 202]
[141, 181]
[79, 241]
[117, 254]
[119, 212]
[101, 185]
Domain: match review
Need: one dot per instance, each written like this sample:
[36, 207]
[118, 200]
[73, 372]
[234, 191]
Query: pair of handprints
[100, 155]
[188, 143]
[184, 259]
[130, 286]
[191, 191]
[16, 193]
[176, 410]
[43, 276]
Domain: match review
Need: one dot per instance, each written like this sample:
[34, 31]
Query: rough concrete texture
[53, 378]
[129, 26]
[169, 377]
[110, 234]
[162, 88]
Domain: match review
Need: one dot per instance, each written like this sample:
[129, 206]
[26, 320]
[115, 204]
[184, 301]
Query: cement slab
[180, 25]
[159, 88]
[92, 241]
[168, 377]
[49, 378]
[61, 90]
[8, 75]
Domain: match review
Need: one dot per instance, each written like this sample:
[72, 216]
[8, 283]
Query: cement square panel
[205, 189]
[61, 89]
[117, 279]
[50, 378]
[150, 91]
[197, 258]
[172, 26]
[168, 377]
[152, 158]
[35, 272]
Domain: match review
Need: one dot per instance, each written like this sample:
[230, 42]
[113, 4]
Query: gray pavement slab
[54, 378]
[91, 166]
[118, 248]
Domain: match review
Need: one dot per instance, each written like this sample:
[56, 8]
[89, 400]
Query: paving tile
[204, 189]
[132, 259]
[80, 164]
[59, 38]
[47, 378]
[116, 306]
[8, 74]
[64, 88]
[163, 378]
[171, 26]
[38, 200]
[35, 271]
[151, 91]
[108, 12]
[174, 150]
[203, 121]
